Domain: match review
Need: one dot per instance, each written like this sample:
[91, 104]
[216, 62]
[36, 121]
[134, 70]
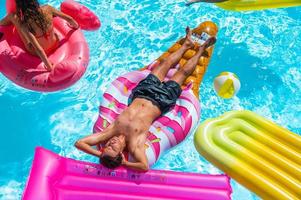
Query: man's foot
[202, 49]
[211, 41]
[188, 41]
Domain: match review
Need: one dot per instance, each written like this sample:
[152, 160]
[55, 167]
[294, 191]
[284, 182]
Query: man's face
[114, 146]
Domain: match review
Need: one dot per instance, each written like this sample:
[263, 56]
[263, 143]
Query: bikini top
[45, 35]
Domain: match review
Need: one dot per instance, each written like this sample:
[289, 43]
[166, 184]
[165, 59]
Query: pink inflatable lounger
[53, 177]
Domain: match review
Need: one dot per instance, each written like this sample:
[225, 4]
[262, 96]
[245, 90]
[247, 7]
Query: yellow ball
[226, 85]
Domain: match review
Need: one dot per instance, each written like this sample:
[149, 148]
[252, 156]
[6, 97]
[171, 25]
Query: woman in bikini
[34, 24]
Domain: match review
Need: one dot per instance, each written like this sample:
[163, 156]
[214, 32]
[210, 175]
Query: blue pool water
[263, 48]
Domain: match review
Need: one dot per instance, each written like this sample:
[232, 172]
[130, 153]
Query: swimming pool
[263, 48]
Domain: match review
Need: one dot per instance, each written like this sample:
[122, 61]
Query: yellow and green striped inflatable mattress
[254, 151]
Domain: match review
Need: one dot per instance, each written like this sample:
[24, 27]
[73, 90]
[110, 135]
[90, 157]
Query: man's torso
[135, 121]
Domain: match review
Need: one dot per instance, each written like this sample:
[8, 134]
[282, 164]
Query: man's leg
[185, 71]
[161, 70]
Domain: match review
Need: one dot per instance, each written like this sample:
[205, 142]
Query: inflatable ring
[70, 59]
[174, 126]
[254, 151]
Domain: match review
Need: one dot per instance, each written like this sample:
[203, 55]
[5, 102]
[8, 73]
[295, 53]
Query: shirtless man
[150, 99]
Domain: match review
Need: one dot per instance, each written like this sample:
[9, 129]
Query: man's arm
[141, 163]
[85, 144]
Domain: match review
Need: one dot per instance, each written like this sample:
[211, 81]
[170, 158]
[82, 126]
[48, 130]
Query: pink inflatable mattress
[53, 177]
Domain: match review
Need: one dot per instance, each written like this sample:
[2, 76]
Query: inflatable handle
[84, 17]
[10, 6]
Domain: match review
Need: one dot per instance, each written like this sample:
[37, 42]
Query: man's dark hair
[111, 162]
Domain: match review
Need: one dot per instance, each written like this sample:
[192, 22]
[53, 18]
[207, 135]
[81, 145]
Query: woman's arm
[5, 21]
[85, 144]
[38, 49]
[62, 15]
